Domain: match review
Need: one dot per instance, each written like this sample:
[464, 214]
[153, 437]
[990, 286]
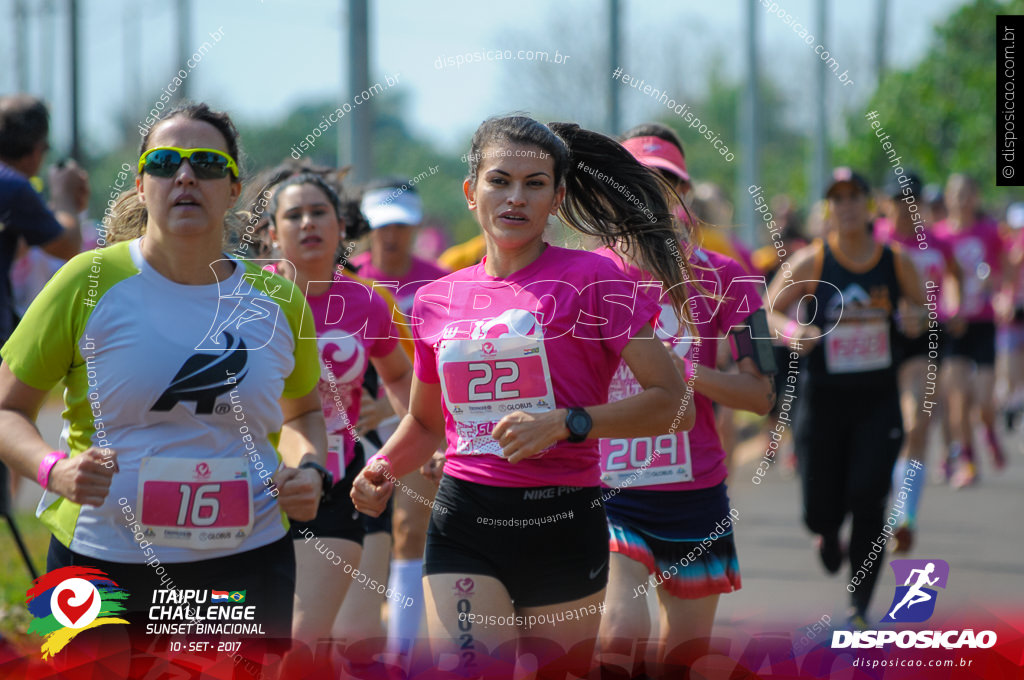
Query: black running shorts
[546, 544]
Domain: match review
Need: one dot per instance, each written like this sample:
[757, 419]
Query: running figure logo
[914, 601]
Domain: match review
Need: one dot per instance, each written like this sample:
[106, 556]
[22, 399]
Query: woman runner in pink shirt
[353, 328]
[393, 209]
[668, 510]
[514, 357]
[937, 269]
[968, 369]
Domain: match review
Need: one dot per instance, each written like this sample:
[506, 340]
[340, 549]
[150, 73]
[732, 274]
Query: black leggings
[847, 441]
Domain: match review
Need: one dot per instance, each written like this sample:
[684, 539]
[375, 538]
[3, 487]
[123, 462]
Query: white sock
[404, 621]
[899, 471]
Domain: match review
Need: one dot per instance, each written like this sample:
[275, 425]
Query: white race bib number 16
[195, 503]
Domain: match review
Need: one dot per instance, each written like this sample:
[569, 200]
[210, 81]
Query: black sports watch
[578, 422]
[326, 477]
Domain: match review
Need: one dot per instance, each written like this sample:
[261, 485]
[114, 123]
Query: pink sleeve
[996, 244]
[993, 247]
[425, 362]
[424, 358]
[624, 321]
[645, 309]
[741, 297]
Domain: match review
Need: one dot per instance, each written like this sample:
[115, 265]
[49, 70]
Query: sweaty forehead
[187, 133]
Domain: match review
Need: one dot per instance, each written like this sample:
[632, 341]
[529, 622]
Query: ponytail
[609, 194]
[612, 196]
[127, 218]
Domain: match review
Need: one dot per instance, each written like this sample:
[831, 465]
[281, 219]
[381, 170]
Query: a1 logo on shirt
[204, 377]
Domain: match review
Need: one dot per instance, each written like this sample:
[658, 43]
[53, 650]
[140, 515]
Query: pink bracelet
[690, 370]
[49, 460]
[791, 329]
[379, 456]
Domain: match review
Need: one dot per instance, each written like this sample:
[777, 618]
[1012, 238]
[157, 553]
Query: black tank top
[860, 343]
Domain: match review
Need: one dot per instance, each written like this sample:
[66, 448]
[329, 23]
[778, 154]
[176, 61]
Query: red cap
[657, 153]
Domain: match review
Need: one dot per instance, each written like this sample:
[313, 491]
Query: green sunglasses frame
[186, 154]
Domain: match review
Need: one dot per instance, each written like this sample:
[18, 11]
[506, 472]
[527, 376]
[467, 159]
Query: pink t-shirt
[694, 459]
[353, 323]
[931, 261]
[977, 251]
[549, 336]
[403, 288]
[746, 257]
[1014, 247]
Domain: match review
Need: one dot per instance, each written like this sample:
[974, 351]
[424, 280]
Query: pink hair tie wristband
[49, 460]
[690, 370]
[379, 457]
[791, 329]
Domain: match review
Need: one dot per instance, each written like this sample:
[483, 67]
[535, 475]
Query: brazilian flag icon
[237, 596]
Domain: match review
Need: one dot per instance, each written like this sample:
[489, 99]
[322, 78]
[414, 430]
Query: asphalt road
[978, 530]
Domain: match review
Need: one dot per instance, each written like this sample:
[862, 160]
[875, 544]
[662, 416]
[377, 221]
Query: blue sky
[276, 54]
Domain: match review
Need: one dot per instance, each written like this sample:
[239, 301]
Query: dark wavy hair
[306, 178]
[347, 207]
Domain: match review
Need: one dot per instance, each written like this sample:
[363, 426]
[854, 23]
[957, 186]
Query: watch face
[579, 424]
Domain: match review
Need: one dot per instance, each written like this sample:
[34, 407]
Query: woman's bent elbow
[680, 410]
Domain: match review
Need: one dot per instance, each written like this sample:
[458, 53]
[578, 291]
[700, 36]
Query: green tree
[782, 149]
[939, 113]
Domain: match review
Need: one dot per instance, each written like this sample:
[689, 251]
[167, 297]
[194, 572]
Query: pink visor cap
[655, 152]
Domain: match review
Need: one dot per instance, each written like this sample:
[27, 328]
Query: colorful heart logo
[73, 612]
[68, 600]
